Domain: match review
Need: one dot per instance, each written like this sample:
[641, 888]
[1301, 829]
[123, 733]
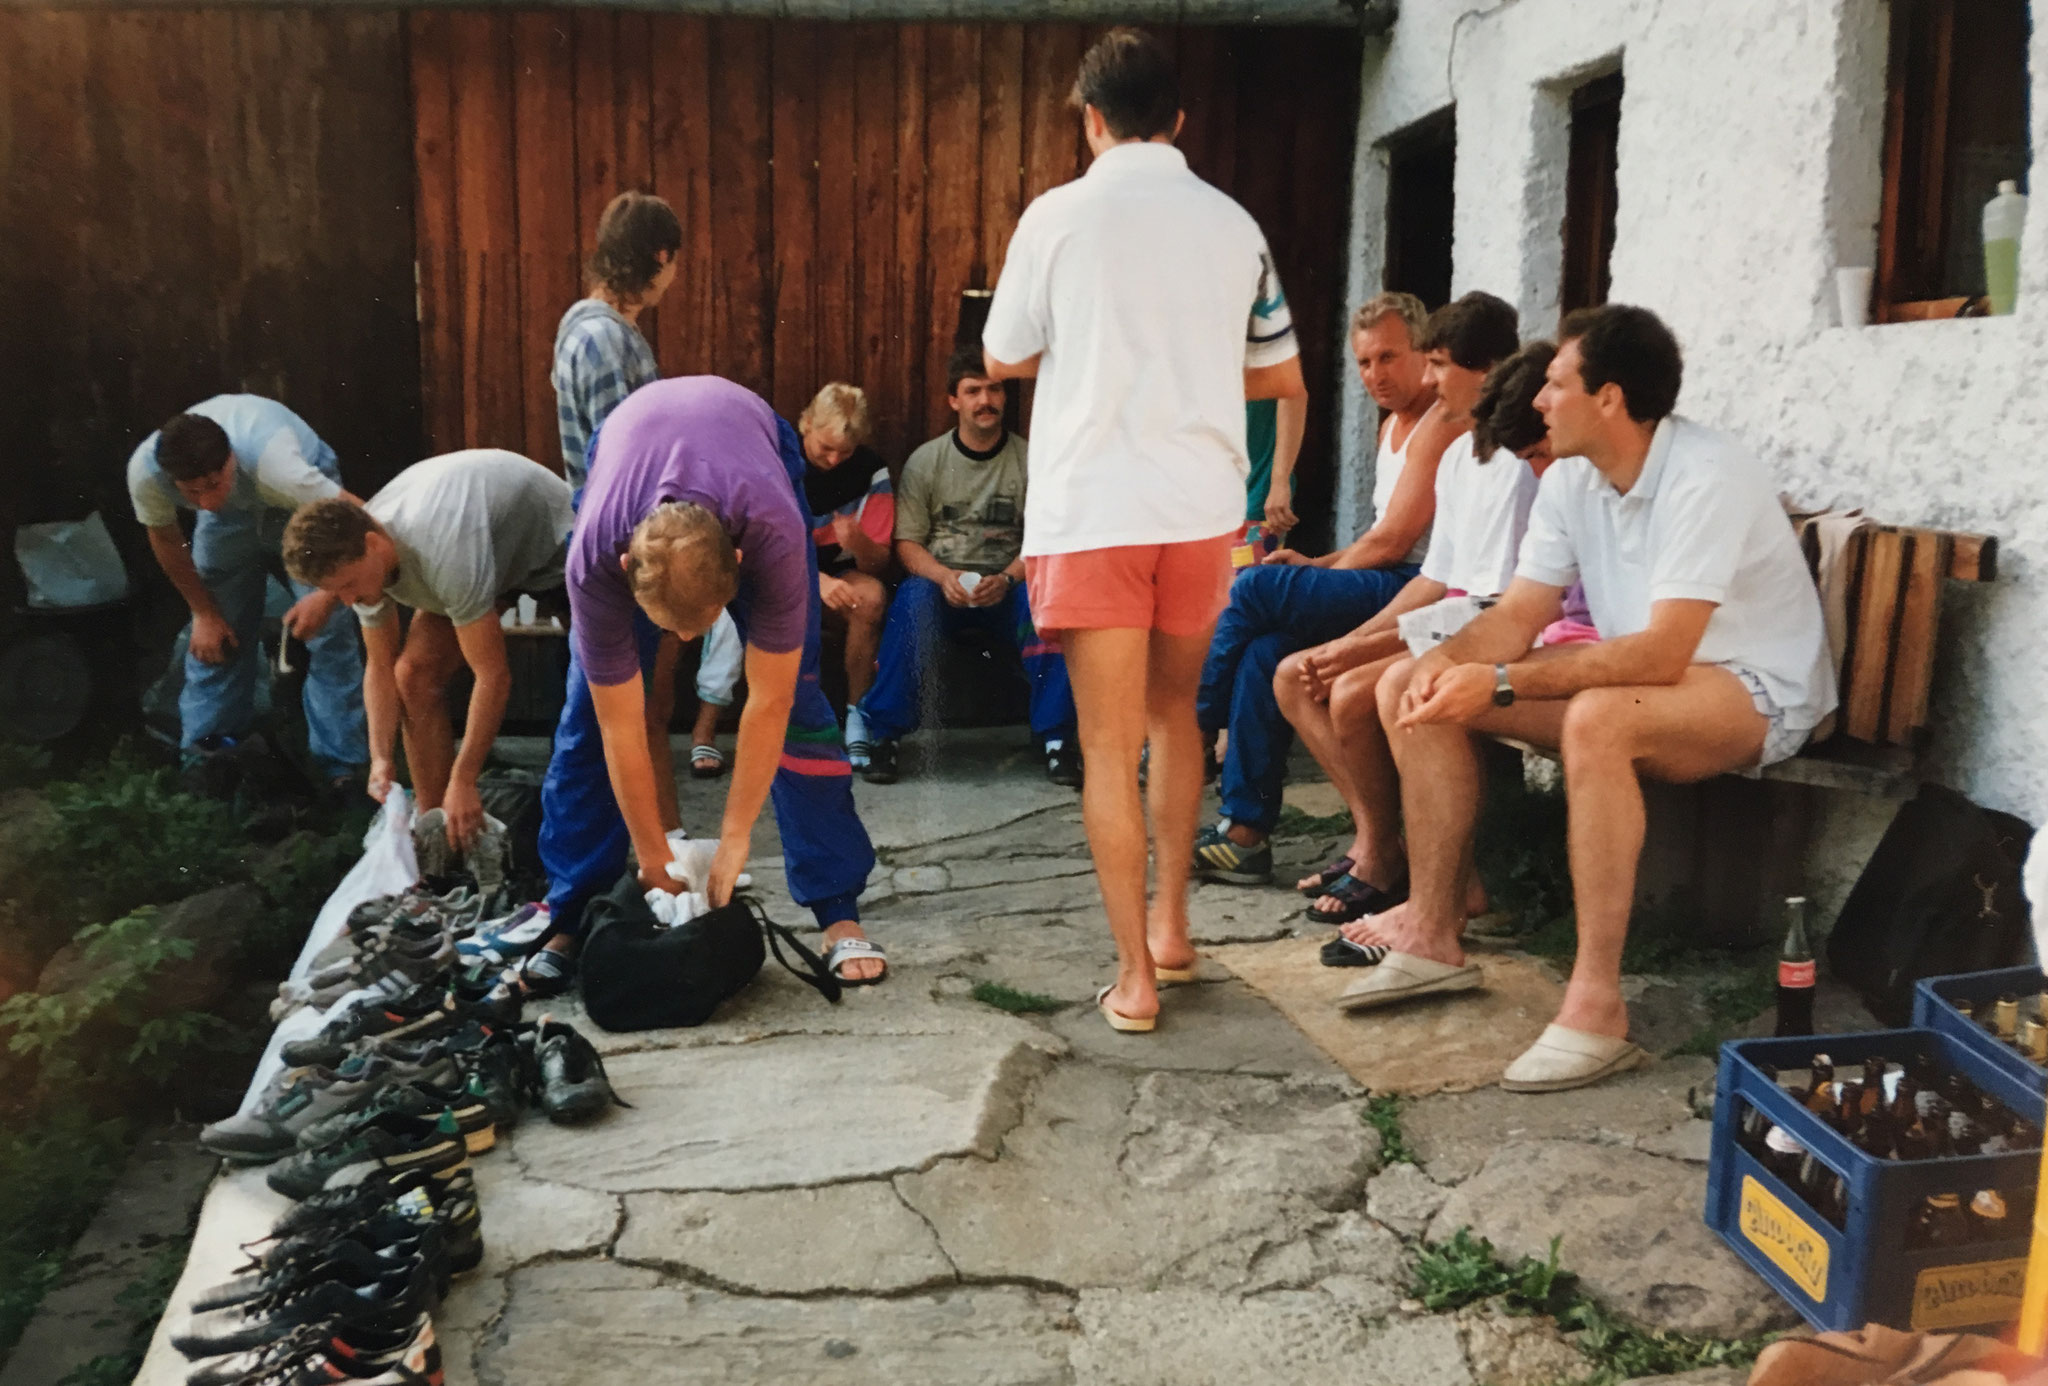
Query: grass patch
[1383, 1114]
[53, 1177]
[1466, 1270]
[1005, 998]
[1294, 823]
[1733, 1001]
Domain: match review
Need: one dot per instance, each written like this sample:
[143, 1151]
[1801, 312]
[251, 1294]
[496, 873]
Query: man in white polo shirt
[1146, 304]
[455, 538]
[1712, 658]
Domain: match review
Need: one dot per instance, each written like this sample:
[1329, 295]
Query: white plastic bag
[70, 563]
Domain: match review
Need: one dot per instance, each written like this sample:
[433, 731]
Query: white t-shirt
[1702, 523]
[469, 528]
[1481, 512]
[278, 462]
[1149, 293]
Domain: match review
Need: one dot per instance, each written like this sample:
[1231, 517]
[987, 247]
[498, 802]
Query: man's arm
[212, 637]
[1026, 369]
[1409, 509]
[917, 561]
[1282, 380]
[1290, 424]
[869, 555]
[380, 701]
[483, 649]
[622, 723]
[757, 751]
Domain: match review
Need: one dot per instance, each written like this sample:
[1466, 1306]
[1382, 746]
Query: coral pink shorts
[1179, 589]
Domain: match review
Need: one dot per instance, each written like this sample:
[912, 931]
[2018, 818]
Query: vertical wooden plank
[635, 112]
[486, 221]
[681, 158]
[872, 54]
[1919, 621]
[911, 316]
[435, 254]
[1052, 58]
[742, 217]
[1876, 616]
[795, 233]
[841, 84]
[597, 121]
[1002, 145]
[550, 277]
[953, 173]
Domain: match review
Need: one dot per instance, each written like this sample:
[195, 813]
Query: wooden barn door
[838, 185]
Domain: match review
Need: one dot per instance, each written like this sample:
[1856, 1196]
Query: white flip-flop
[1563, 1059]
[1402, 976]
[1118, 1021]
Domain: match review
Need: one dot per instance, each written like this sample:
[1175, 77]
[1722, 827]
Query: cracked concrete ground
[913, 1187]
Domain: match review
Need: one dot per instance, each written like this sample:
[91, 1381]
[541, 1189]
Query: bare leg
[863, 633]
[1311, 721]
[430, 659]
[1101, 665]
[1704, 725]
[704, 731]
[1369, 769]
[661, 707]
[1174, 792]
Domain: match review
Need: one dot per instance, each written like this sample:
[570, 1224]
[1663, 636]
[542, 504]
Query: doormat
[1431, 1044]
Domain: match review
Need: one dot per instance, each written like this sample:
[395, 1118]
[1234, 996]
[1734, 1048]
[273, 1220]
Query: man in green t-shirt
[960, 537]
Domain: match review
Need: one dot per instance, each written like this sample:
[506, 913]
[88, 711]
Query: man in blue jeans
[245, 463]
[960, 539]
[1290, 602]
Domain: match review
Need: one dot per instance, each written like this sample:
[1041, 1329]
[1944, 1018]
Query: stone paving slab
[1216, 1027]
[1630, 1227]
[595, 1321]
[757, 1116]
[843, 1238]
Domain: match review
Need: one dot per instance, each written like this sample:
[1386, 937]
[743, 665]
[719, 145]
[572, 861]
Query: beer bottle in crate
[1795, 972]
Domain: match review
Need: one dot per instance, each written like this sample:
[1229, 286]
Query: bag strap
[813, 973]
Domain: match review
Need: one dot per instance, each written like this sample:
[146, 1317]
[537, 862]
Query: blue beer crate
[1934, 1009]
[1863, 1272]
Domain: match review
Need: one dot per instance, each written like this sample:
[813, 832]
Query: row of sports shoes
[371, 1126]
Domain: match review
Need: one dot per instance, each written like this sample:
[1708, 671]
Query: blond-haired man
[695, 501]
[853, 509]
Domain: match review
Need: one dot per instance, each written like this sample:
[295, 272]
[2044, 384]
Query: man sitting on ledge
[1712, 658]
[960, 539]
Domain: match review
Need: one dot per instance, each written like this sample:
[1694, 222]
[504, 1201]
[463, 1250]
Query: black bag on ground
[1940, 895]
[639, 974]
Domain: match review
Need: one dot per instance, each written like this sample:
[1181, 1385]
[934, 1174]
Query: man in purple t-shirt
[695, 500]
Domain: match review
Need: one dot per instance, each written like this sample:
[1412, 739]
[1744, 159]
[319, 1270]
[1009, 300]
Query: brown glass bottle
[1940, 1222]
[1823, 1189]
[1819, 1096]
[1989, 1217]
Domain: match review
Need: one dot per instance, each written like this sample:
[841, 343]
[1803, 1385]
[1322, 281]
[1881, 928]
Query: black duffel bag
[1940, 895]
[640, 974]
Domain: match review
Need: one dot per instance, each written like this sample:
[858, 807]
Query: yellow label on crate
[1790, 1241]
[1986, 1292]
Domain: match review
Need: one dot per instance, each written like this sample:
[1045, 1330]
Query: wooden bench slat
[1973, 557]
[1913, 647]
[1873, 618]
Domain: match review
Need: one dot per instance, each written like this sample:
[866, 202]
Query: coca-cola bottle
[1795, 972]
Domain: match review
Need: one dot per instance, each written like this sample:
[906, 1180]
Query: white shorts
[1780, 741]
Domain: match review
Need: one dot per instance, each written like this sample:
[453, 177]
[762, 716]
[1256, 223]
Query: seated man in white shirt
[1485, 486]
[1712, 658]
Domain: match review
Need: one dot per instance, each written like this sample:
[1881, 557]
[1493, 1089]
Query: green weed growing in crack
[1294, 823]
[1466, 1269]
[1016, 1002]
[1383, 1114]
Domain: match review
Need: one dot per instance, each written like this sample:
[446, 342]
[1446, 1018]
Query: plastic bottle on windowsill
[2004, 217]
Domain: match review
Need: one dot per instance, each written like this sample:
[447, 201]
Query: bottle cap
[2008, 185]
[1779, 1141]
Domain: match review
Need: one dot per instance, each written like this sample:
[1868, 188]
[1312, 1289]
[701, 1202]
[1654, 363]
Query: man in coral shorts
[1146, 304]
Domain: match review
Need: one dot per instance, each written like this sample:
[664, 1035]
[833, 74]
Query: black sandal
[1355, 900]
[1343, 952]
[1326, 876]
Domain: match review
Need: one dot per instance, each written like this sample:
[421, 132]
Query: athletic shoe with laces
[294, 1100]
[881, 767]
[417, 1099]
[415, 1014]
[397, 1297]
[1217, 858]
[572, 1083]
[416, 1367]
[369, 1252]
[360, 1348]
[518, 934]
[391, 1143]
[414, 1193]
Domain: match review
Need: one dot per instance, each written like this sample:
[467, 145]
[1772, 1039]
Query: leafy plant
[1005, 998]
[125, 835]
[1383, 1114]
[1466, 1270]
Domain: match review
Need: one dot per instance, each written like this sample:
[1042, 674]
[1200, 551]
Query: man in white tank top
[1292, 601]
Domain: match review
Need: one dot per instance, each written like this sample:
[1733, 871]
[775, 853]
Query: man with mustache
[960, 539]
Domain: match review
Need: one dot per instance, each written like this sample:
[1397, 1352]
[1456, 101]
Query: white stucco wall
[1751, 134]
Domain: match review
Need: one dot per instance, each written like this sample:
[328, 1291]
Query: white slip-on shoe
[1563, 1059]
[1401, 976]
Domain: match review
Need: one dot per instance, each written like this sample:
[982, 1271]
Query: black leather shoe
[573, 1085]
[881, 767]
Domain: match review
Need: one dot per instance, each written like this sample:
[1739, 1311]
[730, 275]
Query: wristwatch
[1503, 691]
